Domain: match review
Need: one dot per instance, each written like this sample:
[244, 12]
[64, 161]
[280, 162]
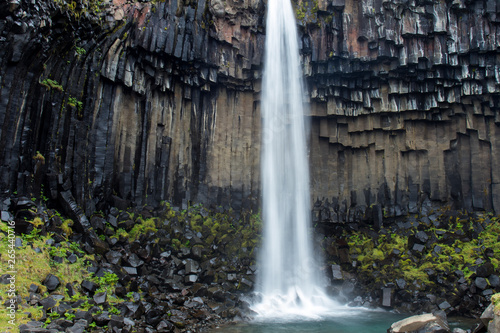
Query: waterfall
[289, 281]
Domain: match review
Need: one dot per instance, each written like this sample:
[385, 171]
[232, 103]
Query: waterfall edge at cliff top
[289, 282]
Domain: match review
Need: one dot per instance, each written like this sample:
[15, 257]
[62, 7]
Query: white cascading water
[289, 281]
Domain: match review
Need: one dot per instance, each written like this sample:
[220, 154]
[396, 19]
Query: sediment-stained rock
[161, 102]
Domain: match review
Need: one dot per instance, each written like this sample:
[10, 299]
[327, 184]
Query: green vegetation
[52, 84]
[300, 11]
[456, 246]
[495, 299]
[74, 103]
[106, 283]
[81, 9]
[80, 50]
[36, 258]
[176, 244]
[212, 234]
[39, 158]
[36, 265]
[142, 227]
[69, 316]
[114, 310]
[306, 11]
[66, 227]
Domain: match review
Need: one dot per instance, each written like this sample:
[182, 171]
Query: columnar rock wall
[161, 102]
[154, 105]
[405, 105]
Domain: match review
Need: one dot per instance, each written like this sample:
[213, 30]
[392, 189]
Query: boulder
[490, 318]
[430, 322]
[387, 297]
[114, 257]
[135, 261]
[32, 326]
[48, 303]
[80, 326]
[485, 270]
[494, 281]
[337, 272]
[100, 298]
[494, 325]
[488, 314]
[51, 282]
[89, 286]
[481, 283]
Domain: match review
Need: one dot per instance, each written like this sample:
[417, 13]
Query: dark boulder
[51, 282]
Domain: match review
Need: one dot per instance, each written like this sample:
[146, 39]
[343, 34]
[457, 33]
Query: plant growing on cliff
[66, 227]
[80, 50]
[85, 8]
[121, 233]
[305, 13]
[74, 103]
[39, 158]
[176, 244]
[52, 84]
[109, 279]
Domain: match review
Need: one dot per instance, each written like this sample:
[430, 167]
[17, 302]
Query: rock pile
[164, 270]
[445, 261]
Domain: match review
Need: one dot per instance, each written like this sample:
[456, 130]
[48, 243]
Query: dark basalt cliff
[128, 102]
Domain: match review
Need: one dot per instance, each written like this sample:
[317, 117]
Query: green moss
[208, 222]
[142, 227]
[74, 103]
[307, 11]
[121, 233]
[210, 239]
[377, 254]
[215, 229]
[33, 266]
[52, 84]
[84, 8]
[495, 299]
[66, 227]
[459, 249]
[196, 223]
[176, 243]
[411, 273]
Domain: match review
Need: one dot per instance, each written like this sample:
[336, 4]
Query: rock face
[405, 106]
[161, 102]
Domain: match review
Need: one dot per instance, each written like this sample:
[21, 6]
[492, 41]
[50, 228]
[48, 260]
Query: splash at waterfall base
[443, 261]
